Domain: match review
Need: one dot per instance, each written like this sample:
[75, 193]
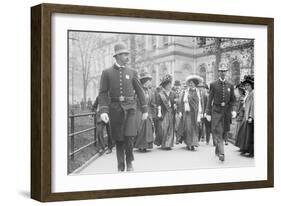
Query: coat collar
[221, 80]
[117, 66]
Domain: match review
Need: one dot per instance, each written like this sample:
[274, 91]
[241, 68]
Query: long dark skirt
[238, 138]
[165, 136]
[144, 138]
[247, 142]
[189, 129]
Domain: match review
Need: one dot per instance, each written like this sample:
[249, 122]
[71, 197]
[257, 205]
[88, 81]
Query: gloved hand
[234, 114]
[208, 117]
[250, 119]
[104, 117]
[144, 116]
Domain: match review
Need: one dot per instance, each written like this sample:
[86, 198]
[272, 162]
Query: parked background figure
[154, 114]
[145, 134]
[165, 101]
[191, 112]
[101, 127]
[177, 90]
[247, 127]
[205, 126]
[89, 104]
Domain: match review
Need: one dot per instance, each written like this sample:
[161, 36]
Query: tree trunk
[218, 56]
[84, 96]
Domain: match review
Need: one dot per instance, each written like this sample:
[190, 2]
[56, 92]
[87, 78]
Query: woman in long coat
[165, 102]
[192, 112]
[145, 132]
[247, 127]
[240, 114]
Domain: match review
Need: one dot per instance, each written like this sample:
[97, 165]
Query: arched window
[202, 71]
[235, 72]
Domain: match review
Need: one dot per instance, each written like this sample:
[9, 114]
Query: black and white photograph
[134, 102]
[141, 102]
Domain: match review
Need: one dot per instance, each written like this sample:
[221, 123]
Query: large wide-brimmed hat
[195, 78]
[144, 76]
[240, 85]
[165, 80]
[248, 79]
[120, 48]
[223, 67]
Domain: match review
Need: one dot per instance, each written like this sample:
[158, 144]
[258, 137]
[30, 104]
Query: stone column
[157, 75]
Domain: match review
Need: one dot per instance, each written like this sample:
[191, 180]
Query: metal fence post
[95, 130]
[72, 137]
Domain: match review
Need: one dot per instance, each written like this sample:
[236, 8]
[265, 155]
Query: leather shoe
[108, 151]
[130, 167]
[221, 157]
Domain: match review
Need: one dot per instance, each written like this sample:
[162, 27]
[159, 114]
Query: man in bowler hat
[118, 86]
[220, 109]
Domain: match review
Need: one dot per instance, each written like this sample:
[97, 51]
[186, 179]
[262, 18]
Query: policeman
[219, 109]
[118, 86]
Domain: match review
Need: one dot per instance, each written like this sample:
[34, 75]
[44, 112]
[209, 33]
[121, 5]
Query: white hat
[195, 78]
[223, 67]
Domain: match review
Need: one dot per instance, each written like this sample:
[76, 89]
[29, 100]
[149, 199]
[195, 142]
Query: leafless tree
[86, 44]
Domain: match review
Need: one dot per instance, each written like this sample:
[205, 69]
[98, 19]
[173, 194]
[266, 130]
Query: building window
[202, 71]
[165, 41]
[153, 42]
[235, 72]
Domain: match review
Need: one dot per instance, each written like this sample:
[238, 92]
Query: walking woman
[165, 102]
[240, 114]
[247, 127]
[144, 138]
[191, 112]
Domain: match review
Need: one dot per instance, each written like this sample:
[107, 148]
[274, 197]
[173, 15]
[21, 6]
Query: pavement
[179, 158]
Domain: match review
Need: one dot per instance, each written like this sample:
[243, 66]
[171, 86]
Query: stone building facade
[175, 55]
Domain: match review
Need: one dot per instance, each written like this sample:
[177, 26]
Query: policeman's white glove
[104, 117]
[208, 117]
[234, 114]
[250, 119]
[144, 116]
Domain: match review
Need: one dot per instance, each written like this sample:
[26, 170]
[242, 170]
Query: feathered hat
[165, 80]
[248, 79]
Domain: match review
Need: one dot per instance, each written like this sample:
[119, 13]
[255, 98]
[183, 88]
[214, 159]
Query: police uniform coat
[220, 103]
[118, 87]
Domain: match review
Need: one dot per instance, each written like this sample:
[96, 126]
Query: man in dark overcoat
[205, 126]
[118, 86]
[220, 109]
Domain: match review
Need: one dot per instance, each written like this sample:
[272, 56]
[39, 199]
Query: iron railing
[72, 134]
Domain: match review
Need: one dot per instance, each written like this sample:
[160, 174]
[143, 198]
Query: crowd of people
[137, 115]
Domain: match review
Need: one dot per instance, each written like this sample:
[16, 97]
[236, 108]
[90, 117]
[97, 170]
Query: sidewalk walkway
[176, 159]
